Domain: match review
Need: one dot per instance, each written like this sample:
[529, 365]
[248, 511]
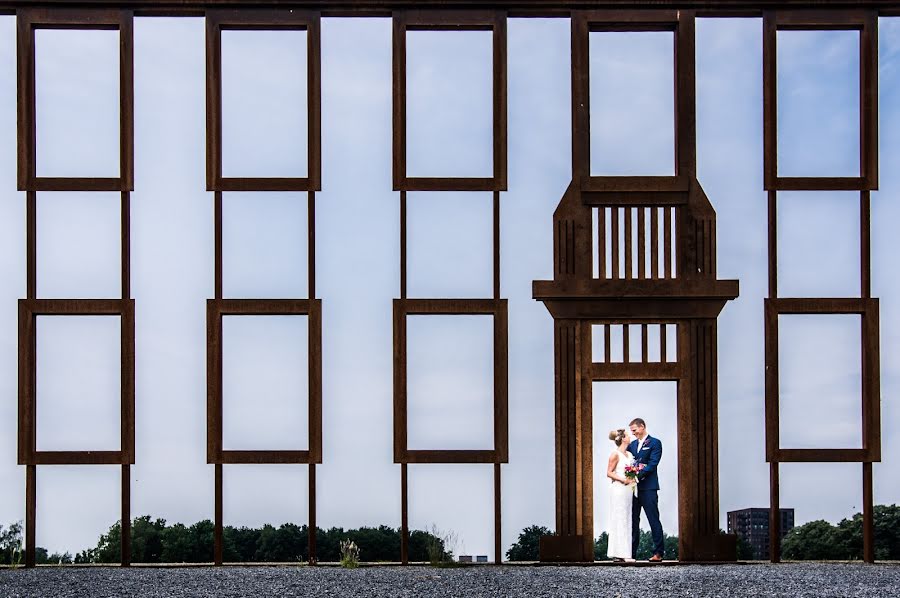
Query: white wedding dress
[620, 496]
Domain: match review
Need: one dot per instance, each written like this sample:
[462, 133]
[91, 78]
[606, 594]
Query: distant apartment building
[753, 526]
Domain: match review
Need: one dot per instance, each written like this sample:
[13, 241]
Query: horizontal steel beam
[516, 8]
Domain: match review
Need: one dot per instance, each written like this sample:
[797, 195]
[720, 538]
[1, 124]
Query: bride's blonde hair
[617, 436]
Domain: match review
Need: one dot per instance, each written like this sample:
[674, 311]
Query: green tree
[745, 551]
[887, 532]
[292, 542]
[239, 544]
[848, 539]
[201, 541]
[671, 543]
[821, 540]
[61, 559]
[527, 546]
[176, 544]
[816, 540]
[11, 544]
[418, 545]
[42, 558]
[601, 547]
[645, 547]
[287, 543]
[328, 544]
[439, 547]
[376, 543]
[108, 549]
[147, 540]
[267, 548]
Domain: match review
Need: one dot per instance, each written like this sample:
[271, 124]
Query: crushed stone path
[813, 580]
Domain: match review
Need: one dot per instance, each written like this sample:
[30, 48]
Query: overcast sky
[450, 377]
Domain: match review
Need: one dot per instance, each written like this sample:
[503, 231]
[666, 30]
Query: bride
[620, 497]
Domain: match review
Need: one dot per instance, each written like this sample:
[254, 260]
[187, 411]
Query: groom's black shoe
[656, 558]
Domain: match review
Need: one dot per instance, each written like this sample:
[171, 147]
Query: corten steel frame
[266, 20]
[32, 307]
[679, 288]
[451, 307]
[27, 21]
[469, 20]
[866, 23]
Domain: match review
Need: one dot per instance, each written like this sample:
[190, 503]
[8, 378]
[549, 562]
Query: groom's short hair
[638, 422]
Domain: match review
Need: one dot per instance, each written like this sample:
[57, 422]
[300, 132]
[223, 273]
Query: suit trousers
[649, 501]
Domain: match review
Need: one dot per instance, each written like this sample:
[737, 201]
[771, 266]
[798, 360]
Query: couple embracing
[632, 470]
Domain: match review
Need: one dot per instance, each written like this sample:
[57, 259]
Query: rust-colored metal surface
[865, 21]
[75, 18]
[458, 20]
[216, 309]
[516, 8]
[451, 307]
[670, 282]
[470, 20]
[266, 20]
[28, 20]
[679, 288]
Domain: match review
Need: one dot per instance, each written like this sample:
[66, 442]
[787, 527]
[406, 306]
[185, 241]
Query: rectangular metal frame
[30, 19]
[264, 20]
[627, 370]
[871, 402]
[585, 22]
[454, 307]
[469, 20]
[215, 310]
[864, 21]
[630, 17]
[29, 310]
[78, 18]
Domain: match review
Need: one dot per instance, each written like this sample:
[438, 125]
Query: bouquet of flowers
[632, 472]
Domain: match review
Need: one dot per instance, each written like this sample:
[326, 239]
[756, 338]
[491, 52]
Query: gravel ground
[795, 580]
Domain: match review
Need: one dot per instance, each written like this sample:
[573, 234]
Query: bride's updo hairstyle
[617, 436]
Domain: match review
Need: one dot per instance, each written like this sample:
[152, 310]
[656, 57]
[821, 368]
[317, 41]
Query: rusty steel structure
[472, 20]
[217, 308]
[680, 288]
[866, 23]
[612, 288]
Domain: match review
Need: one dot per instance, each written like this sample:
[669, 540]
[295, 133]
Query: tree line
[527, 546]
[817, 540]
[12, 550]
[156, 541]
[820, 540]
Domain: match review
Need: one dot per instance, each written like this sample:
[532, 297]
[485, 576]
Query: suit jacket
[650, 455]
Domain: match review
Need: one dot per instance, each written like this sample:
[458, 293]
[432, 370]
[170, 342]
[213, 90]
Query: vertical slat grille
[627, 249]
[634, 342]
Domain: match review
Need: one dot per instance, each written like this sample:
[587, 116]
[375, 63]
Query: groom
[646, 450]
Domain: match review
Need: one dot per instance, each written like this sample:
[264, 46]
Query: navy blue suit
[647, 495]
